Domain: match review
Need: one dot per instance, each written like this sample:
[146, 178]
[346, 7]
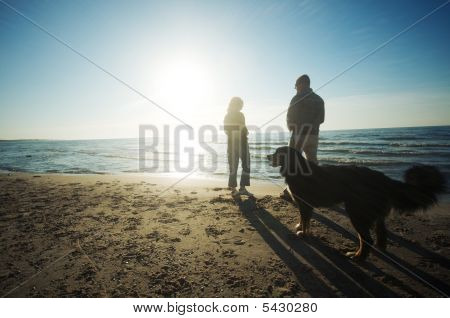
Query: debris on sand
[212, 230]
[221, 199]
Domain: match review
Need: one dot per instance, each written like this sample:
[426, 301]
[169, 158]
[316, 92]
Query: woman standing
[234, 126]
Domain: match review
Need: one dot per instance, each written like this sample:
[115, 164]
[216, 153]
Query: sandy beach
[139, 236]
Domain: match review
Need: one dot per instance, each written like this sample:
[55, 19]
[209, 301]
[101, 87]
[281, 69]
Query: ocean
[389, 150]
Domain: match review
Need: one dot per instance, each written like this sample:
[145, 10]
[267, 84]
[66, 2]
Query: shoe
[244, 191]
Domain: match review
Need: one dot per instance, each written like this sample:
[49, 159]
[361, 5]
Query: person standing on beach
[237, 148]
[305, 114]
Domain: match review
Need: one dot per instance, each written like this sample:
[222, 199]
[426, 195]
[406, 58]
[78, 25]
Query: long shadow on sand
[308, 258]
[413, 247]
[439, 286]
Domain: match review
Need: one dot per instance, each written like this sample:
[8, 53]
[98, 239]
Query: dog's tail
[419, 190]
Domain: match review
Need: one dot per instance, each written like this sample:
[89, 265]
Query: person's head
[236, 104]
[302, 82]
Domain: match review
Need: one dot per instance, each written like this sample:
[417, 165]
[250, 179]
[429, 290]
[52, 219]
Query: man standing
[305, 114]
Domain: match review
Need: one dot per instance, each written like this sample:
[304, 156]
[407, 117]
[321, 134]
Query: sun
[183, 83]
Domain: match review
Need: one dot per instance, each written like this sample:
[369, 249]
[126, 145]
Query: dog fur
[368, 195]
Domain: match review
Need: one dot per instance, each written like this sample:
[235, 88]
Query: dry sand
[130, 236]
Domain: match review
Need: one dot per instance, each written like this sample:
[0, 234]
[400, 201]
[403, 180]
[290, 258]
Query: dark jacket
[306, 108]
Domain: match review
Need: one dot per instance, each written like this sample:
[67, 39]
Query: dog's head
[282, 157]
[290, 161]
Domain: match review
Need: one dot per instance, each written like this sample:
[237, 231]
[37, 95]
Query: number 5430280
[289, 307]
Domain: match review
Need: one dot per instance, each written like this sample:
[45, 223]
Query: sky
[191, 57]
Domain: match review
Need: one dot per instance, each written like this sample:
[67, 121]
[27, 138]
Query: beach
[137, 235]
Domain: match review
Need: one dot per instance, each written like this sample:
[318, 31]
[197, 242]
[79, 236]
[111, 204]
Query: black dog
[368, 195]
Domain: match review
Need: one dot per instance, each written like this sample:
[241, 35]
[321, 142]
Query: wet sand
[135, 236]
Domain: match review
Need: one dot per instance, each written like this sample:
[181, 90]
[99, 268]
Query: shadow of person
[319, 269]
[419, 275]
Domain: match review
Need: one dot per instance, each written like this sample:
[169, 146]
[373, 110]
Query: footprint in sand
[166, 221]
[155, 235]
[239, 242]
[230, 253]
[236, 240]
[185, 231]
[133, 223]
[221, 199]
[167, 218]
[212, 230]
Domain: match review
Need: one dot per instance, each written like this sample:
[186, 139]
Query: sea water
[389, 150]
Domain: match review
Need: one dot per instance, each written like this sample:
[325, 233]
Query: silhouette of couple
[305, 114]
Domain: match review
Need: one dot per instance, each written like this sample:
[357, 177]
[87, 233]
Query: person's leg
[245, 159]
[294, 142]
[233, 162]
[310, 148]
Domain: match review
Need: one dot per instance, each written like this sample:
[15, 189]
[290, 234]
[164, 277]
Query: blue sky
[253, 49]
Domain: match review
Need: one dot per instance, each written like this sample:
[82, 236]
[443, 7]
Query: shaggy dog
[368, 195]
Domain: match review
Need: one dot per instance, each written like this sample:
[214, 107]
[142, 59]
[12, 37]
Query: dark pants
[238, 148]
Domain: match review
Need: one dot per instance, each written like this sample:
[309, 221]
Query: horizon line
[286, 131]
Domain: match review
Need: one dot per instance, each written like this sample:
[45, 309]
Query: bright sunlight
[183, 83]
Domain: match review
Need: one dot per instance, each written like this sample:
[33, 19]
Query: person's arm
[321, 116]
[242, 125]
[226, 124]
[291, 117]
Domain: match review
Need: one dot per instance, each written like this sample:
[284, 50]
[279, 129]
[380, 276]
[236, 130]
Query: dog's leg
[380, 230]
[303, 228]
[365, 241]
[362, 224]
[298, 226]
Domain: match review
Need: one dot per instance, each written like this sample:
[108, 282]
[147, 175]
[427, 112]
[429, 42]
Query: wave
[419, 145]
[350, 143]
[131, 171]
[13, 169]
[279, 143]
[392, 144]
[76, 170]
[220, 173]
[262, 148]
[67, 171]
[345, 161]
[361, 162]
[385, 153]
[400, 138]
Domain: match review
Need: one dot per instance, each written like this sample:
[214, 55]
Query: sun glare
[183, 83]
